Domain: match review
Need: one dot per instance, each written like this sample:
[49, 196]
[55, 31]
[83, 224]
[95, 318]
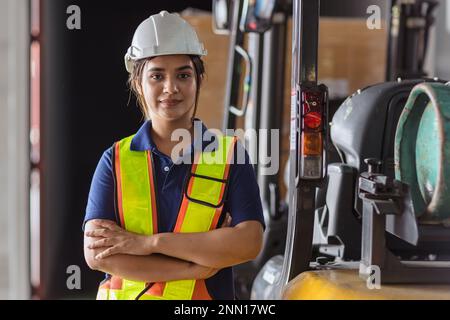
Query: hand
[227, 221]
[116, 240]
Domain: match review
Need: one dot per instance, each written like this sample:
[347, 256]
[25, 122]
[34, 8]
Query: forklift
[367, 206]
[254, 99]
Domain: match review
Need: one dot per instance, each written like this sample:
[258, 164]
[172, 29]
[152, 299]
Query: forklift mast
[262, 27]
[409, 33]
[235, 54]
[262, 108]
[308, 169]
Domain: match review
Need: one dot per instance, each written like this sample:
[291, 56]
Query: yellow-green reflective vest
[200, 210]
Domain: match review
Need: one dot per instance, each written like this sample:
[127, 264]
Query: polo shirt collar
[142, 140]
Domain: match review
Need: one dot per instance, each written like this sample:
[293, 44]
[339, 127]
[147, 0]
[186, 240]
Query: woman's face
[169, 87]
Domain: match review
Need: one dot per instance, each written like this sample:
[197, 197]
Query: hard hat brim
[129, 61]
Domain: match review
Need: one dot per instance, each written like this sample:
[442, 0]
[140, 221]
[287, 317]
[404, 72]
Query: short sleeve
[100, 203]
[244, 200]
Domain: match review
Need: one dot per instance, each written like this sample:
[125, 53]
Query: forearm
[144, 267]
[153, 268]
[217, 249]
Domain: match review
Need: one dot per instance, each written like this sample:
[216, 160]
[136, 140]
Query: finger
[98, 233]
[95, 221]
[227, 221]
[108, 252]
[106, 224]
[105, 242]
[95, 233]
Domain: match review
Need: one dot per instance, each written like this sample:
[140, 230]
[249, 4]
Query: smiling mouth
[170, 102]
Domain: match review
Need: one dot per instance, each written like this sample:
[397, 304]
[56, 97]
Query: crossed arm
[169, 256]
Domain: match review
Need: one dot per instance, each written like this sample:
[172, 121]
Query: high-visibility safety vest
[136, 204]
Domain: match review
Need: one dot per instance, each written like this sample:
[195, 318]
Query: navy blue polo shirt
[242, 200]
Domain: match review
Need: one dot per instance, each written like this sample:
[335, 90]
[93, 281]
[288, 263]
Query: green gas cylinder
[422, 151]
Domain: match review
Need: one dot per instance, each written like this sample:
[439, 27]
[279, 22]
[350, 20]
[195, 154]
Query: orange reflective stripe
[116, 283]
[185, 201]
[200, 291]
[157, 289]
[181, 214]
[216, 218]
[153, 195]
[119, 185]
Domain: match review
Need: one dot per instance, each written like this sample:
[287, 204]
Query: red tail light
[313, 120]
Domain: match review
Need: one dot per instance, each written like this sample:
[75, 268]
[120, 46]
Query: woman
[157, 223]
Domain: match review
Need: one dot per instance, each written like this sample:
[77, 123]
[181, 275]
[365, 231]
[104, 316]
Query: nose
[170, 86]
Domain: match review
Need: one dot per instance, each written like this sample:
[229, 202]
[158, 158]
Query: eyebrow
[186, 67]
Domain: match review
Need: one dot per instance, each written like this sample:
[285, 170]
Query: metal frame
[214, 26]
[387, 206]
[272, 102]
[264, 99]
[233, 74]
[408, 38]
[302, 194]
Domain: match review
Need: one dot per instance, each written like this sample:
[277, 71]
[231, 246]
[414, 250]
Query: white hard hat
[163, 34]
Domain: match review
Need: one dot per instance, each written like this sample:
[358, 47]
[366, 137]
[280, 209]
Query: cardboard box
[212, 94]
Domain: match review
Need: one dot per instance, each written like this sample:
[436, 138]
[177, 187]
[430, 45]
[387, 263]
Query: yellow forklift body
[347, 285]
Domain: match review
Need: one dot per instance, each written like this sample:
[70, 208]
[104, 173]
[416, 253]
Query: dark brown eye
[184, 76]
[156, 77]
